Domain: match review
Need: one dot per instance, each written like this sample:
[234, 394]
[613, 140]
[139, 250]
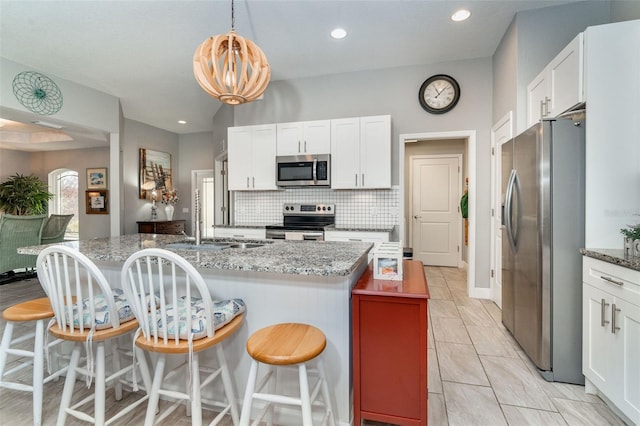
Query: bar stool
[287, 344]
[38, 310]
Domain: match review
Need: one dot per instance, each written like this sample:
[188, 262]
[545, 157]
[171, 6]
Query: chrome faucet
[196, 212]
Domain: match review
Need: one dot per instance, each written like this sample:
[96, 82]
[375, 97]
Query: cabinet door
[316, 137]
[628, 346]
[289, 138]
[345, 153]
[566, 77]
[537, 98]
[263, 157]
[375, 152]
[598, 353]
[239, 157]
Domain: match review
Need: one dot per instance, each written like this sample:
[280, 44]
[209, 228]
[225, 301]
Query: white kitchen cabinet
[611, 334]
[559, 86]
[361, 152]
[304, 137]
[244, 233]
[251, 157]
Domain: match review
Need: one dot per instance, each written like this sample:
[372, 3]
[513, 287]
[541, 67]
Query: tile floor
[478, 375]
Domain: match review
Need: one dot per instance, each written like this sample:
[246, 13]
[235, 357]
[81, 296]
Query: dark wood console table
[390, 347]
[174, 227]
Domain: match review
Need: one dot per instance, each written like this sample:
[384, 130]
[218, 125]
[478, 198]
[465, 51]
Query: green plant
[24, 195]
[631, 232]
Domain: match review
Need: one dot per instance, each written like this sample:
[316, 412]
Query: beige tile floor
[478, 375]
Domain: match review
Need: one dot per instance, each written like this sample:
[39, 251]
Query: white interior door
[501, 132]
[204, 182]
[435, 217]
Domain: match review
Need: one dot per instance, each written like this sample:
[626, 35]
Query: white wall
[12, 162]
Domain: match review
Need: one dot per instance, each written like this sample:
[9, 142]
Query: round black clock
[439, 94]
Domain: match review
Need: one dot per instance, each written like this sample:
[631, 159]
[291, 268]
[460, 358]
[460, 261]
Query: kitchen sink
[212, 246]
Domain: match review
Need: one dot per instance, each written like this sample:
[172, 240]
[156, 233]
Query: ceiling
[142, 51]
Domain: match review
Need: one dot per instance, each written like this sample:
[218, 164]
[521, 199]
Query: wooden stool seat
[286, 344]
[31, 310]
[279, 346]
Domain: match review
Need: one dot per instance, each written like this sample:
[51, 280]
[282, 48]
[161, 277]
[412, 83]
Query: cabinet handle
[247, 181]
[298, 146]
[254, 181]
[603, 313]
[356, 179]
[613, 318]
[546, 106]
[305, 146]
[355, 239]
[242, 236]
[363, 179]
[611, 280]
[541, 108]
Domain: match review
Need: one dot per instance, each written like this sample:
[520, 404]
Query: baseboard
[480, 293]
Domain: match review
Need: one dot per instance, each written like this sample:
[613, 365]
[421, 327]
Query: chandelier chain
[233, 16]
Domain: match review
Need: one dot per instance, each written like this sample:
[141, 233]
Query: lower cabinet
[248, 233]
[390, 347]
[611, 334]
[174, 227]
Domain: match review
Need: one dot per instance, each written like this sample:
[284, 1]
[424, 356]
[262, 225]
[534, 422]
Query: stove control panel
[309, 209]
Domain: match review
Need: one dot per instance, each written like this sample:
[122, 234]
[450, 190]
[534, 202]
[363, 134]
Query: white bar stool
[287, 344]
[38, 310]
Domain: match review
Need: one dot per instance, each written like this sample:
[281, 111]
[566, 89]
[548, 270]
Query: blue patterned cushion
[103, 319]
[223, 312]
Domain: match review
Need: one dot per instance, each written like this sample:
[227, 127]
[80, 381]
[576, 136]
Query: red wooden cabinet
[390, 347]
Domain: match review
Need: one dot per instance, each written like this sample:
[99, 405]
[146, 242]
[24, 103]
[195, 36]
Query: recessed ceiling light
[338, 33]
[460, 15]
[182, 122]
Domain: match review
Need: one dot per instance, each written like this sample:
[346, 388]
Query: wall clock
[439, 94]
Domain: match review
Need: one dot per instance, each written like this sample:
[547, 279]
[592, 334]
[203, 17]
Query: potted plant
[631, 239]
[24, 195]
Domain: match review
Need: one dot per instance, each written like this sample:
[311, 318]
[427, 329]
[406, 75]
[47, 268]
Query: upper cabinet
[251, 156]
[361, 152]
[559, 86]
[304, 137]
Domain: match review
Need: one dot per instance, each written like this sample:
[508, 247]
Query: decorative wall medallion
[37, 93]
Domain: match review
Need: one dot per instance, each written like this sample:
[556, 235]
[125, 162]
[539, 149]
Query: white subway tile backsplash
[374, 208]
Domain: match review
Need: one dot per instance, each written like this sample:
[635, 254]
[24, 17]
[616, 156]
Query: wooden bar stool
[38, 310]
[288, 344]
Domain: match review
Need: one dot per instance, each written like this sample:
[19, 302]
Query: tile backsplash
[375, 208]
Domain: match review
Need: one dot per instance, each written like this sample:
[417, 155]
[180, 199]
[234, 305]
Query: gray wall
[138, 135]
[532, 40]
[12, 162]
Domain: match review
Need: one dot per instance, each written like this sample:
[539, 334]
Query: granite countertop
[355, 229]
[320, 258]
[615, 256]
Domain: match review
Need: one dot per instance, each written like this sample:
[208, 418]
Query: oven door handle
[313, 236]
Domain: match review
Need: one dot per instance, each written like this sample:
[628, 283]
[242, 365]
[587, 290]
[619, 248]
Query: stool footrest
[279, 399]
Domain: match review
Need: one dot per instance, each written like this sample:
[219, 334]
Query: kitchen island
[282, 281]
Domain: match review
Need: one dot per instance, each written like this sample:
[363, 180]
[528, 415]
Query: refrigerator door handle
[518, 196]
[508, 203]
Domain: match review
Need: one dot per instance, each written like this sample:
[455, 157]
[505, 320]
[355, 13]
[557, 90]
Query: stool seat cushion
[223, 312]
[103, 319]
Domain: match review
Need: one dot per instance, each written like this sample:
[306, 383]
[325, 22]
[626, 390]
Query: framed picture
[97, 178]
[97, 201]
[155, 172]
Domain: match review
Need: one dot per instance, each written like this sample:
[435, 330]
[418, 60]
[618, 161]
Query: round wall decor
[37, 93]
[439, 93]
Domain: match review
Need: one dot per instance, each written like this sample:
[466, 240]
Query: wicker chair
[54, 228]
[18, 231]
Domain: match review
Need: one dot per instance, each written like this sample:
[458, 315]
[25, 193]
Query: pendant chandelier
[231, 68]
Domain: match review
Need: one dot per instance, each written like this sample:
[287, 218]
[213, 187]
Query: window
[63, 184]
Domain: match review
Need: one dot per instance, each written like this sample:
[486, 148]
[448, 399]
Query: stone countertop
[319, 258]
[615, 256]
[355, 229]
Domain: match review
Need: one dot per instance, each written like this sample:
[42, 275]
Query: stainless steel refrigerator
[542, 233]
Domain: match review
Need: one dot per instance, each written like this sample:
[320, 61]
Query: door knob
[417, 216]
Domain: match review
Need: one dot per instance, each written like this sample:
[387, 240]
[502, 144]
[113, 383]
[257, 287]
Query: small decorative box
[387, 261]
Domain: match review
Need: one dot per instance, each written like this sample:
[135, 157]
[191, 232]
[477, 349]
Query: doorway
[203, 181]
[434, 216]
[469, 161]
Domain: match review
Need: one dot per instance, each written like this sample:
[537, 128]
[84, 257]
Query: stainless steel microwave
[303, 170]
